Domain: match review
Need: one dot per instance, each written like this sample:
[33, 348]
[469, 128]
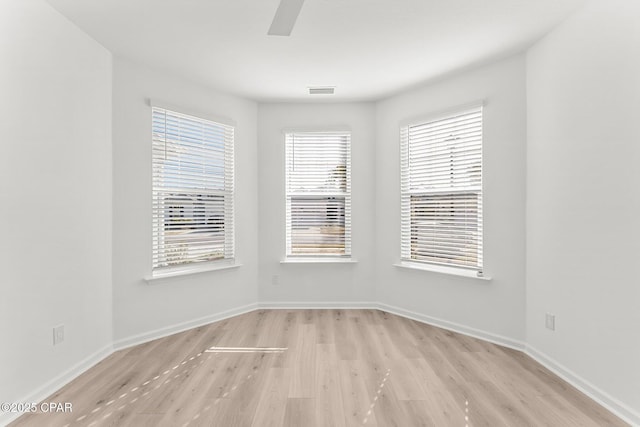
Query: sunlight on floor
[246, 350]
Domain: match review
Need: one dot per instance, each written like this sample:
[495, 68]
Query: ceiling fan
[285, 17]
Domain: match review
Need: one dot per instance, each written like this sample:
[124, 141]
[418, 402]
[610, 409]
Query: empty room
[314, 213]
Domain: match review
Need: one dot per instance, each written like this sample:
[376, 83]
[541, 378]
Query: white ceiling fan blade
[285, 17]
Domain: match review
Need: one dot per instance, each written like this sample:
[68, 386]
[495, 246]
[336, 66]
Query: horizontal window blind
[192, 189]
[318, 194]
[441, 191]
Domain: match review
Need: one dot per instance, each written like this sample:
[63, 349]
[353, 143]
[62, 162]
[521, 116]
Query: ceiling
[367, 49]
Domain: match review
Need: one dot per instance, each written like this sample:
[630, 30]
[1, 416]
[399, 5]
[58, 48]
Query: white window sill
[192, 269]
[452, 271]
[318, 260]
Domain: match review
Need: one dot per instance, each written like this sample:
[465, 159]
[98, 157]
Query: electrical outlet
[58, 334]
[550, 321]
[275, 280]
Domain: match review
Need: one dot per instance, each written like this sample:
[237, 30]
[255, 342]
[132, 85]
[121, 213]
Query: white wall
[579, 101]
[493, 307]
[139, 307]
[316, 283]
[55, 197]
[583, 227]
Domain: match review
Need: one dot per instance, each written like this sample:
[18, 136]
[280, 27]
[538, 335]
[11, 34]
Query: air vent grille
[326, 90]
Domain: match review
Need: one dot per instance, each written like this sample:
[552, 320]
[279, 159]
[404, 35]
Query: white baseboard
[301, 305]
[60, 381]
[63, 379]
[602, 398]
[455, 327]
[181, 327]
[599, 396]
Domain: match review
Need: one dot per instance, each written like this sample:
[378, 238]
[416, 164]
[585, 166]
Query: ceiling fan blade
[285, 17]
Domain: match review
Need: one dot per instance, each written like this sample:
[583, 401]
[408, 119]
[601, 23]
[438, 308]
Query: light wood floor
[306, 368]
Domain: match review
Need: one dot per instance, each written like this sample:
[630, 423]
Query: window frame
[345, 195]
[214, 158]
[407, 224]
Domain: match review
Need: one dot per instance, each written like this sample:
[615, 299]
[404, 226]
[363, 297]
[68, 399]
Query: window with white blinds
[192, 189]
[441, 191]
[318, 193]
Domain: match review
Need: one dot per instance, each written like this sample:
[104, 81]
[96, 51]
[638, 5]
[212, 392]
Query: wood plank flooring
[320, 368]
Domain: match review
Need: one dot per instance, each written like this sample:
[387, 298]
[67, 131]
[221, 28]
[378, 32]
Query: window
[318, 192]
[192, 190]
[441, 191]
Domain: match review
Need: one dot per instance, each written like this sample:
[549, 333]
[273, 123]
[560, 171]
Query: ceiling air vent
[327, 90]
